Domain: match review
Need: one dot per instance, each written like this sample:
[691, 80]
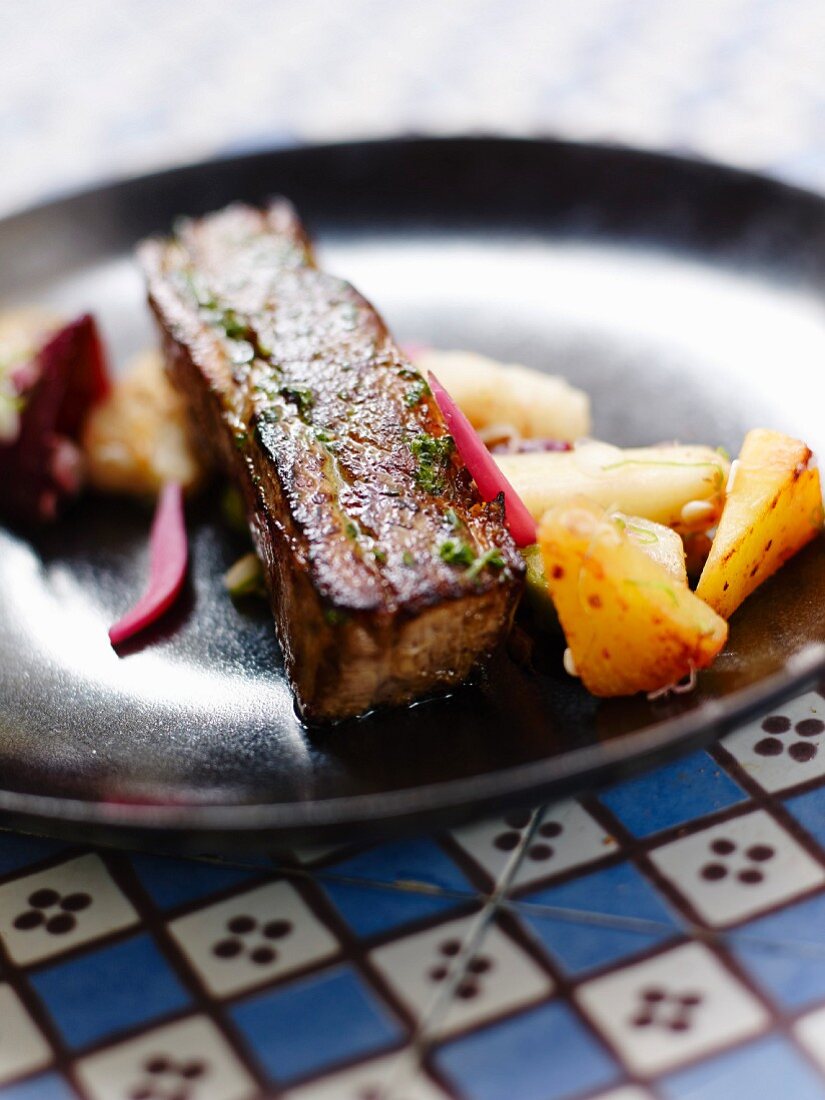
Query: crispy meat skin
[297, 389]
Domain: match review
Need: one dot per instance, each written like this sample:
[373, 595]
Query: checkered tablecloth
[663, 940]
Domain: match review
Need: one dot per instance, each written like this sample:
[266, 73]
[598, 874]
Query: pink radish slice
[481, 464]
[169, 556]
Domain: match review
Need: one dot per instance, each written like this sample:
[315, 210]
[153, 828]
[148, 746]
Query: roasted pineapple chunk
[659, 543]
[773, 508]
[629, 625]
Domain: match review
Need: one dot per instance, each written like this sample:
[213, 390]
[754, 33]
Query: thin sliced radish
[169, 557]
[481, 464]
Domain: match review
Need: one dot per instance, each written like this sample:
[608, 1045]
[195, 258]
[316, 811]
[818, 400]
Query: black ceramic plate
[688, 299]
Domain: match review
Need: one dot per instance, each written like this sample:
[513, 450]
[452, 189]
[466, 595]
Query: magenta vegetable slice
[169, 557]
[481, 464]
[56, 386]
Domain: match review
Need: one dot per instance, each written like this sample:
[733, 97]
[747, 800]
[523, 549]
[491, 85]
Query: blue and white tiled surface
[663, 940]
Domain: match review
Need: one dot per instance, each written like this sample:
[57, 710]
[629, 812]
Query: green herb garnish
[643, 534]
[456, 553]
[407, 558]
[232, 325]
[459, 553]
[432, 456]
[492, 557]
[416, 391]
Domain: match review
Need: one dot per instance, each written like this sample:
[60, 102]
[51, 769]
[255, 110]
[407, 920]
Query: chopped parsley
[459, 553]
[432, 457]
[456, 553]
[232, 325]
[407, 558]
[416, 391]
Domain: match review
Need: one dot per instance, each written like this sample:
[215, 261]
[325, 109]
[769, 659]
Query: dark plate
[685, 297]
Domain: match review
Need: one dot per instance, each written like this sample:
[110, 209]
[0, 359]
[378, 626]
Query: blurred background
[93, 89]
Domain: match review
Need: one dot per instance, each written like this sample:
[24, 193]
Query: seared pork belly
[389, 577]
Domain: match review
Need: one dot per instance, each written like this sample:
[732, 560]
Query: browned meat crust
[389, 578]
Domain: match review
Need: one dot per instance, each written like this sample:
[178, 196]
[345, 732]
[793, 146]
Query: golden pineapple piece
[630, 626]
[660, 543]
[773, 508]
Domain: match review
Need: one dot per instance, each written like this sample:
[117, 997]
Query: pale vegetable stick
[679, 487]
[535, 404]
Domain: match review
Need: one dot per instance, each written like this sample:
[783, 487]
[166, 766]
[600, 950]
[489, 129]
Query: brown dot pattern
[749, 875]
[52, 911]
[800, 751]
[538, 851]
[164, 1078]
[658, 1007]
[249, 937]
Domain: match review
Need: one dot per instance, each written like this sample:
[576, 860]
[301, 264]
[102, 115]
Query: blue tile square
[809, 811]
[785, 952]
[691, 787]
[802, 924]
[173, 882]
[543, 1054]
[102, 993]
[46, 1086]
[792, 980]
[765, 1070]
[369, 911]
[599, 918]
[17, 852]
[314, 1023]
[419, 861]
